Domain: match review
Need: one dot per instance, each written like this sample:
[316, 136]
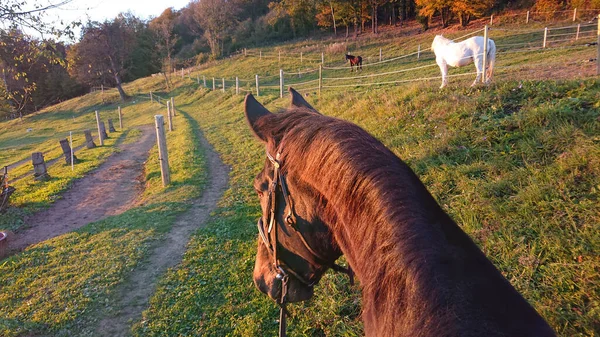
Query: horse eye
[260, 193]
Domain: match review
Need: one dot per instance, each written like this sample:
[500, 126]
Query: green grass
[516, 164]
[60, 286]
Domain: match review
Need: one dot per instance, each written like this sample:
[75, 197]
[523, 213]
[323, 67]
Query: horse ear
[255, 111]
[299, 101]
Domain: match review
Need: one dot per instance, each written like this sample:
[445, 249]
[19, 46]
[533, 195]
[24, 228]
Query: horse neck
[405, 250]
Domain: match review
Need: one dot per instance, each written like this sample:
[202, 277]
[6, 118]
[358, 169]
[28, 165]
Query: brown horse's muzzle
[265, 279]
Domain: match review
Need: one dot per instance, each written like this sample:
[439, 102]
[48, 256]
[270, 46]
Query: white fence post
[257, 90]
[320, 78]
[527, 20]
[151, 99]
[485, 49]
[169, 115]
[545, 36]
[214, 85]
[100, 134]
[163, 156]
[237, 85]
[223, 84]
[380, 59]
[598, 44]
[173, 110]
[120, 119]
[280, 83]
[204, 80]
[574, 14]
[418, 51]
[491, 19]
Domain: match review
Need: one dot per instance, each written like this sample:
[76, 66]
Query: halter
[269, 239]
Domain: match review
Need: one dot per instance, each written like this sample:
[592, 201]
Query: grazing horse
[329, 188]
[450, 53]
[354, 61]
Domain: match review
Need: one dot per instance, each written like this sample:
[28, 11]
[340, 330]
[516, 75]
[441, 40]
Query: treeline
[39, 73]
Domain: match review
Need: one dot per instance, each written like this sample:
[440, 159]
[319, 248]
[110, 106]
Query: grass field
[516, 164]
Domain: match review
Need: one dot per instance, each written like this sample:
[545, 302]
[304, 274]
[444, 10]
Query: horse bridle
[269, 239]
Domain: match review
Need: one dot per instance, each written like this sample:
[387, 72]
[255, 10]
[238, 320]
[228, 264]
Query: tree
[103, 52]
[468, 9]
[17, 14]
[163, 28]
[428, 8]
[301, 14]
[216, 18]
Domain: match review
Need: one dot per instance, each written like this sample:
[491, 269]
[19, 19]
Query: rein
[270, 241]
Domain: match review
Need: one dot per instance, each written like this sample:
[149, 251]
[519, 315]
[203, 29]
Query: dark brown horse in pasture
[354, 61]
[329, 188]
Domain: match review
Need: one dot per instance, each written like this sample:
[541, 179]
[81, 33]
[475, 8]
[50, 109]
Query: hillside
[516, 164]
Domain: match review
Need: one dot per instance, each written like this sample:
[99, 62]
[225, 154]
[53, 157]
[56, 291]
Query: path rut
[109, 190]
[134, 296]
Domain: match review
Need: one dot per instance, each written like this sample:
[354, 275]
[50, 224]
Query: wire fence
[520, 44]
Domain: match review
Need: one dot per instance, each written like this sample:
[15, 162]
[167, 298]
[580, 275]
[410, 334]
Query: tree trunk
[333, 17]
[117, 78]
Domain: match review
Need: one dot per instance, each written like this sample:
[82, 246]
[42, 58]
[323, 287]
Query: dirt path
[109, 190]
[134, 296]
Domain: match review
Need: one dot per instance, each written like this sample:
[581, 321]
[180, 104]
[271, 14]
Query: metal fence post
[485, 49]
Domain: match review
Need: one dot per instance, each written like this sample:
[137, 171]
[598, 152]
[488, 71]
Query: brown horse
[354, 61]
[329, 188]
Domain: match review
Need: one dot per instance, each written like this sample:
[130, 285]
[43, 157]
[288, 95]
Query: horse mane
[382, 215]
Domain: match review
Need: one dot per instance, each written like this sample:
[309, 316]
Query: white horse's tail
[491, 60]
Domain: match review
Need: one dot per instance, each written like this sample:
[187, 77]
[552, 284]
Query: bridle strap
[281, 268]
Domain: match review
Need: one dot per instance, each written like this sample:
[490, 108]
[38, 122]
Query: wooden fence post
[237, 85]
[257, 90]
[485, 49]
[492, 20]
[300, 57]
[214, 85]
[169, 119]
[64, 144]
[223, 84]
[173, 110]
[545, 36]
[598, 45]
[198, 79]
[322, 58]
[577, 34]
[103, 131]
[120, 119]
[574, 14]
[204, 80]
[89, 140]
[100, 138]
[40, 173]
[527, 20]
[320, 78]
[418, 51]
[380, 55]
[280, 83]
[260, 54]
[163, 155]
[280, 56]
[151, 99]
[111, 127]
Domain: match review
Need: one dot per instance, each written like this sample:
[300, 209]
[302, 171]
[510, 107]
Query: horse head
[295, 247]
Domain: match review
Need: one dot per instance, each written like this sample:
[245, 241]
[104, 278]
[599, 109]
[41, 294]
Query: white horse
[449, 53]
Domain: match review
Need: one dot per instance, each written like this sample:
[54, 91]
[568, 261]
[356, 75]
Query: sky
[100, 10]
